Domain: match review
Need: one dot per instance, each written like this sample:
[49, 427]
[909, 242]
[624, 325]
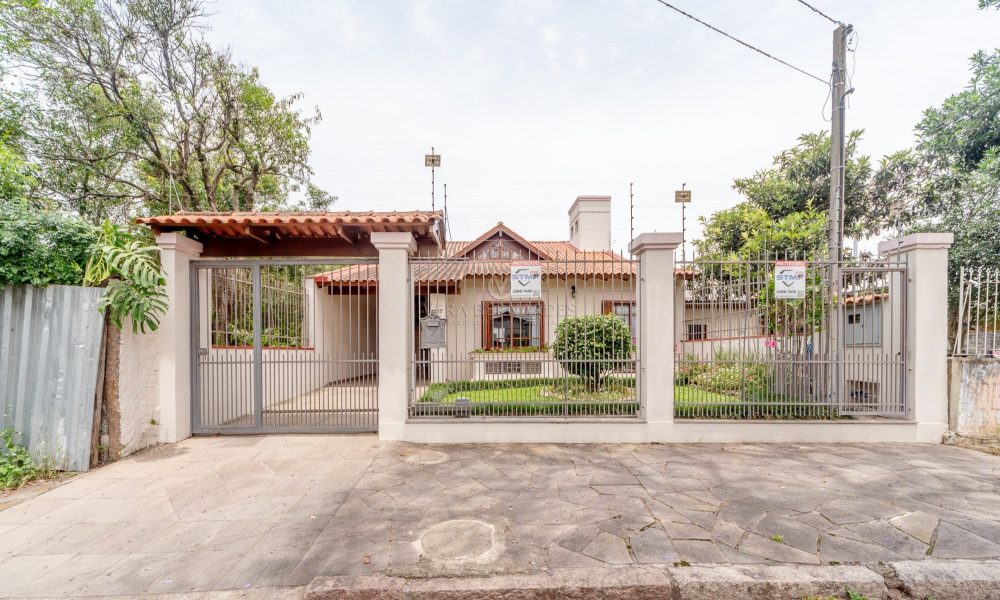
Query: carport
[253, 342]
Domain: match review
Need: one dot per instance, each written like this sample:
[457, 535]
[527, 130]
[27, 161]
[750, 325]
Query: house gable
[501, 243]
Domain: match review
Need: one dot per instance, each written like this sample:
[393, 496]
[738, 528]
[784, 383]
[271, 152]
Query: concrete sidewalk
[268, 512]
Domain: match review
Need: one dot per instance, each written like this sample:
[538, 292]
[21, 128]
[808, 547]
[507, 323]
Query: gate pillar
[655, 252]
[925, 328]
[174, 337]
[394, 329]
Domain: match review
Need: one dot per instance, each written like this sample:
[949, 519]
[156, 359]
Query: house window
[513, 325]
[697, 331]
[626, 311]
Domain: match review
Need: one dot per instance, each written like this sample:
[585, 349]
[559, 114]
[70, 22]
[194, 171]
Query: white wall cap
[394, 240]
[172, 240]
[917, 241]
[668, 240]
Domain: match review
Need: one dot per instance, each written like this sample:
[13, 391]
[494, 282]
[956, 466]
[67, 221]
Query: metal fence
[555, 336]
[50, 348]
[284, 346]
[977, 313]
[754, 344]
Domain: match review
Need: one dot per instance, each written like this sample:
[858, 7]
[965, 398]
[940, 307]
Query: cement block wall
[974, 396]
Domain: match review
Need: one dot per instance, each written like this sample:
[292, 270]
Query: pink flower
[771, 343]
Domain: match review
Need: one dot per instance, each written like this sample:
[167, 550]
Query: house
[466, 291]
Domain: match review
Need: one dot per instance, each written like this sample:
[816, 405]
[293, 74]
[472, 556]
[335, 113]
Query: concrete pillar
[926, 327]
[656, 323]
[174, 337]
[395, 329]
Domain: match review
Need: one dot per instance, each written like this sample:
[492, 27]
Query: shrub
[17, 467]
[591, 345]
[42, 247]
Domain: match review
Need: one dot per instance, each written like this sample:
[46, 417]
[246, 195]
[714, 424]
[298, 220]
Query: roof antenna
[447, 223]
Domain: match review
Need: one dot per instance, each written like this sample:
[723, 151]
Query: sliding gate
[284, 346]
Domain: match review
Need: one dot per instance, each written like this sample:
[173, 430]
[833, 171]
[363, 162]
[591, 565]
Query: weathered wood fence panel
[50, 346]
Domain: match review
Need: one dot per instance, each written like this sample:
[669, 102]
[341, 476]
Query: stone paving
[251, 512]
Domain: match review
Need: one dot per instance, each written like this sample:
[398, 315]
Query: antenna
[447, 223]
[631, 218]
[432, 160]
[683, 197]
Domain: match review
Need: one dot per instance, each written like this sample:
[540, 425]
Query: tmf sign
[525, 280]
[789, 279]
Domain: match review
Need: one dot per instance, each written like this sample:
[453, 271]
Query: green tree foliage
[135, 112]
[42, 247]
[591, 345]
[984, 4]
[748, 232]
[950, 180]
[130, 269]
[800, 177]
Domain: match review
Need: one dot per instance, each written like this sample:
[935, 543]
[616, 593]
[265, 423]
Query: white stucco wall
[138, 387]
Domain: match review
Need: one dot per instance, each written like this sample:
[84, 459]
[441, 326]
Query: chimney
[590, 223]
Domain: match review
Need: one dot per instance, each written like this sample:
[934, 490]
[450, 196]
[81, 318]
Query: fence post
[925, 328]
[174, 337]
[656, 323]
[394, 329]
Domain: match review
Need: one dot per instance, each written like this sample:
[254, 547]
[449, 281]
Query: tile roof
[296, 224]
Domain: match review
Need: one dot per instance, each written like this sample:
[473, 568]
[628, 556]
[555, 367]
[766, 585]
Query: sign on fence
[525, 280]
[789, 279]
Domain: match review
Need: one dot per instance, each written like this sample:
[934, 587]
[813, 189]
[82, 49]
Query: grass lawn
[537, 396]
[691, 402]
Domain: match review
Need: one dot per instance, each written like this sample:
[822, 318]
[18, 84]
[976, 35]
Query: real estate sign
[525, 280]
[789, 279]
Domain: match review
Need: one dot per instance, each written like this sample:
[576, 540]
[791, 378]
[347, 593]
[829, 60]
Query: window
[513, 325]
[626, 311]
[697, 331]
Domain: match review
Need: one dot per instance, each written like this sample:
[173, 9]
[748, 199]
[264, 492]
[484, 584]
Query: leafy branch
[130, 270]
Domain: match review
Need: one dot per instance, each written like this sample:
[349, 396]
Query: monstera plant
[130, 270]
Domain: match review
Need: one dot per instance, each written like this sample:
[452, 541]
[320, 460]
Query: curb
[941, 580]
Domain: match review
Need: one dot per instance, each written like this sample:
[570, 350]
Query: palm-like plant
[130, 270]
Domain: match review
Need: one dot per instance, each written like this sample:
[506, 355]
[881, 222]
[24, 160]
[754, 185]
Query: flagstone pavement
[264, 511]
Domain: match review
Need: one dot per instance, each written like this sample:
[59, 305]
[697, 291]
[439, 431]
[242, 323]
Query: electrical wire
[741, 42]
[819, 12]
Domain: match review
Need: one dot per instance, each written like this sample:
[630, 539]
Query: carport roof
[297, 224]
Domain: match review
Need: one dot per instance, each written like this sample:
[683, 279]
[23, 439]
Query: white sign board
[789, 279]
[525, 280]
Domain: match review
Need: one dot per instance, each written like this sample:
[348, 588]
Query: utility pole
[838, 134]
[631, 218]
[838, 141]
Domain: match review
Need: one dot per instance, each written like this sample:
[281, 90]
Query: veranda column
[394, 329]
[174, 337]
[926, 328]
[656, 323]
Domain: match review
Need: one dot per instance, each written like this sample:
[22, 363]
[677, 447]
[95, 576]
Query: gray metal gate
[284, 346]
[747, 350]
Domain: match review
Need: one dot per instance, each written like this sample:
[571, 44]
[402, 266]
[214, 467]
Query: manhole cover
[426, 457]
[462, 539]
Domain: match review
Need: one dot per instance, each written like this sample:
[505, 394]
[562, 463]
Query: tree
[591, 345]
[800, 178]
[748, 232]
[136, 112]
[41, 247]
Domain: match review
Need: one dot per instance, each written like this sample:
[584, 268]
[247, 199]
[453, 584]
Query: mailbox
[432, 332]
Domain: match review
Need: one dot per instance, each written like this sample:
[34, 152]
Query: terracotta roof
[297, 224]
[866, 298]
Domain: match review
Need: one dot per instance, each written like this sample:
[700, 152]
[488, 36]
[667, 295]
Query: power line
[819, 12]
[741, 42]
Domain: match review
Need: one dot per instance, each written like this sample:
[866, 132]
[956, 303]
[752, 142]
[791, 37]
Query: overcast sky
[533, 102]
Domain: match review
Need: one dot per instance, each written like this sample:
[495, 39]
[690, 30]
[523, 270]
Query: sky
[531, 103]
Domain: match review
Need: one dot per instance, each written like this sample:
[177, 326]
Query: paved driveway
[248, 512]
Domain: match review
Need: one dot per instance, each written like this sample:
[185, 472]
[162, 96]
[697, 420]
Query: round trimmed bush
[591, 345]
